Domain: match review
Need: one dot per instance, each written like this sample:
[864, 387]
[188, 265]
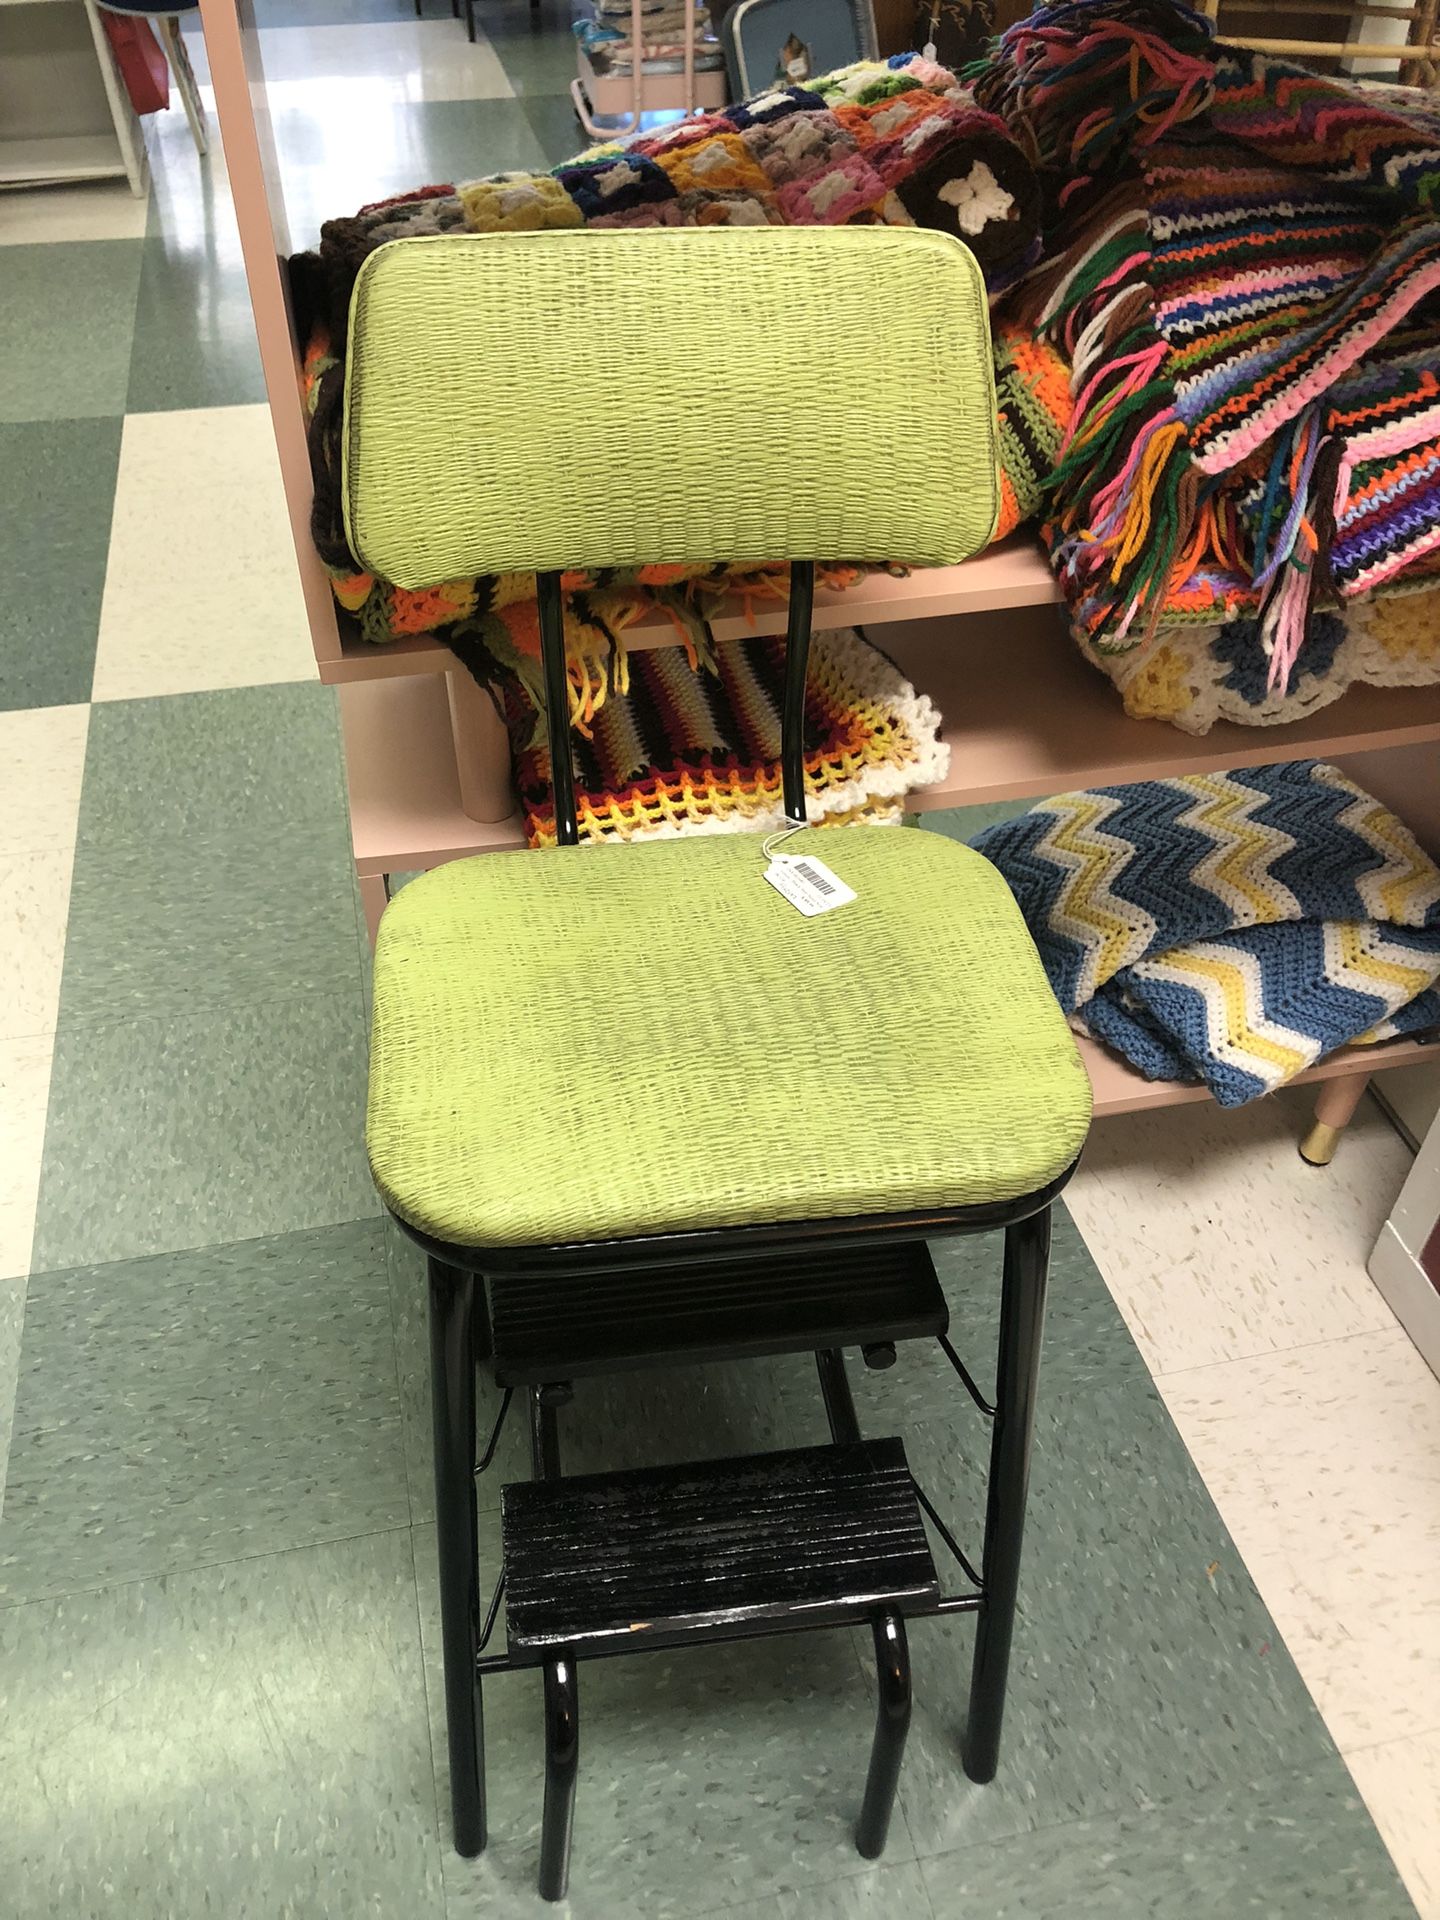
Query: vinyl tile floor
[219, 1672]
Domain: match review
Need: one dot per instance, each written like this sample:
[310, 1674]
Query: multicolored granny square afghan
[1228, 928]
[898, 141]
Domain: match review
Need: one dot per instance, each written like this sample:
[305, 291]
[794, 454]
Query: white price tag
[807, 883]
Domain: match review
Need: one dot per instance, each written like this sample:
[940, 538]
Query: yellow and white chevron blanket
[1230, 928]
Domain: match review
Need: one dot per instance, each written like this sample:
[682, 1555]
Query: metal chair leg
[562, 1765]
[470, 19]
[1022, 1316]
[892, 1727]
[452, 1387]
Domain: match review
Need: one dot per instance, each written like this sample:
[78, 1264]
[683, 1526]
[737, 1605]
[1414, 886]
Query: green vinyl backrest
[620, 398]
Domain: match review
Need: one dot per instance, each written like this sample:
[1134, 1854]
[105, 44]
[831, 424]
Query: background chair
[166, 22]
[870, 1078]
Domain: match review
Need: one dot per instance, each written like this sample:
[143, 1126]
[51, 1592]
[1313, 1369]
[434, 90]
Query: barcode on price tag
[807, 883]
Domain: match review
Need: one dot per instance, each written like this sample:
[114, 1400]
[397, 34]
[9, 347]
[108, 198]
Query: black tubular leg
[892, 1727]
[1022, 1316]
[562, 1692]
[562, 1764]
[557, 702]
[452, 1389]
[792, 713]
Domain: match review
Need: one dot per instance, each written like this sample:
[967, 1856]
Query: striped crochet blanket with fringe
[1243, 274]
[675, 751]
[900, 142]
[1228, 928]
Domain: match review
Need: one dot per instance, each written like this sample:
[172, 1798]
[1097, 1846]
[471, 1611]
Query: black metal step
[549, 1328]
[611, 1562]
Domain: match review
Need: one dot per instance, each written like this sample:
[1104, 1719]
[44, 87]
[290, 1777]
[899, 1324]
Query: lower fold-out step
[615, 1562]
[550, 1327]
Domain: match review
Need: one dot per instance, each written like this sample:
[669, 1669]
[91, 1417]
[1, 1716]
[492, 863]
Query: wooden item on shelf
[1407, 37]
[1024, 715]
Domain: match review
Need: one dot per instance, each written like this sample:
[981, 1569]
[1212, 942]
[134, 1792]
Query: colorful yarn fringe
[1241, 264]
[1228, 928]
[900, 142]
[686, 752]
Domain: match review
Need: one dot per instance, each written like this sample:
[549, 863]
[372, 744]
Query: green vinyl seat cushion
[597, 1042]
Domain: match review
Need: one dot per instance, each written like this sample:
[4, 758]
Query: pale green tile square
[57, 486]
[179, 1131]
[260, 766]
[244, 1741]
[236, 1400]
[1139, 1675]
[883, 1893]
[67, 313]
[716, 1773]
[209, 923]
[194, 330]
[1292, 1846]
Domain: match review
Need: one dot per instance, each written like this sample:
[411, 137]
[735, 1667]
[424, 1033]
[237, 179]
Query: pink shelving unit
[427, 761]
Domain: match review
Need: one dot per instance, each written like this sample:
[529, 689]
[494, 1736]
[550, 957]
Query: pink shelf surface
[1014, 574]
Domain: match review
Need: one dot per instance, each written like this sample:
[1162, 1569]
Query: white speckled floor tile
[98, 210]
[1217, 1240]
[1323, 1463]
[1400, 1783]
[201, 590]
[42, 759]
[24, 1092]
[34, 903]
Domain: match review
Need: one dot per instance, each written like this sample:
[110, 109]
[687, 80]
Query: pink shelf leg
[372, 899]
[482, 750]
[1334, 1108]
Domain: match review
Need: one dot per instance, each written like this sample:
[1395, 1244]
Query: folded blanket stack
[1242, 263]
[678, 751]
[606, 38]
[1228, 928]
[900, 142]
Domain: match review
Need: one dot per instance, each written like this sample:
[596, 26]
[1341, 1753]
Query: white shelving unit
[64, 112]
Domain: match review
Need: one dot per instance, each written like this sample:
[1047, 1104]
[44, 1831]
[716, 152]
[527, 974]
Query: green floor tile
[168, 1132]
[553, 122]
[1146, 1666]
[884, 1893]
[236, 1400]
[249, 1740]
[411, 146]
[212, 924]
[537, 59]
[57, 488]
[194, 334]
[67, 312]
[255, 763]
[1299, 1846]
[720, 1773]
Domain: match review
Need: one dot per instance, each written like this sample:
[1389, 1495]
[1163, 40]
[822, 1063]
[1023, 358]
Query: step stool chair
[634, 1106]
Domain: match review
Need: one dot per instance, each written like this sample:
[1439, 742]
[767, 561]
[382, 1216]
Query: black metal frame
[461, 1337]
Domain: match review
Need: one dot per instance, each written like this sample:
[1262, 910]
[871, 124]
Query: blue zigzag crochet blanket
[1231, 928]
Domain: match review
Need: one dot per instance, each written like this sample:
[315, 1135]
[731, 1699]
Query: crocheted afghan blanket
[1242, 265]
[900, 142]
[684, 752]
[1228, 928]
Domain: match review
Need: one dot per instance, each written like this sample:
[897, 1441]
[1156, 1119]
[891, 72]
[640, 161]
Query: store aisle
[218, 1659]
